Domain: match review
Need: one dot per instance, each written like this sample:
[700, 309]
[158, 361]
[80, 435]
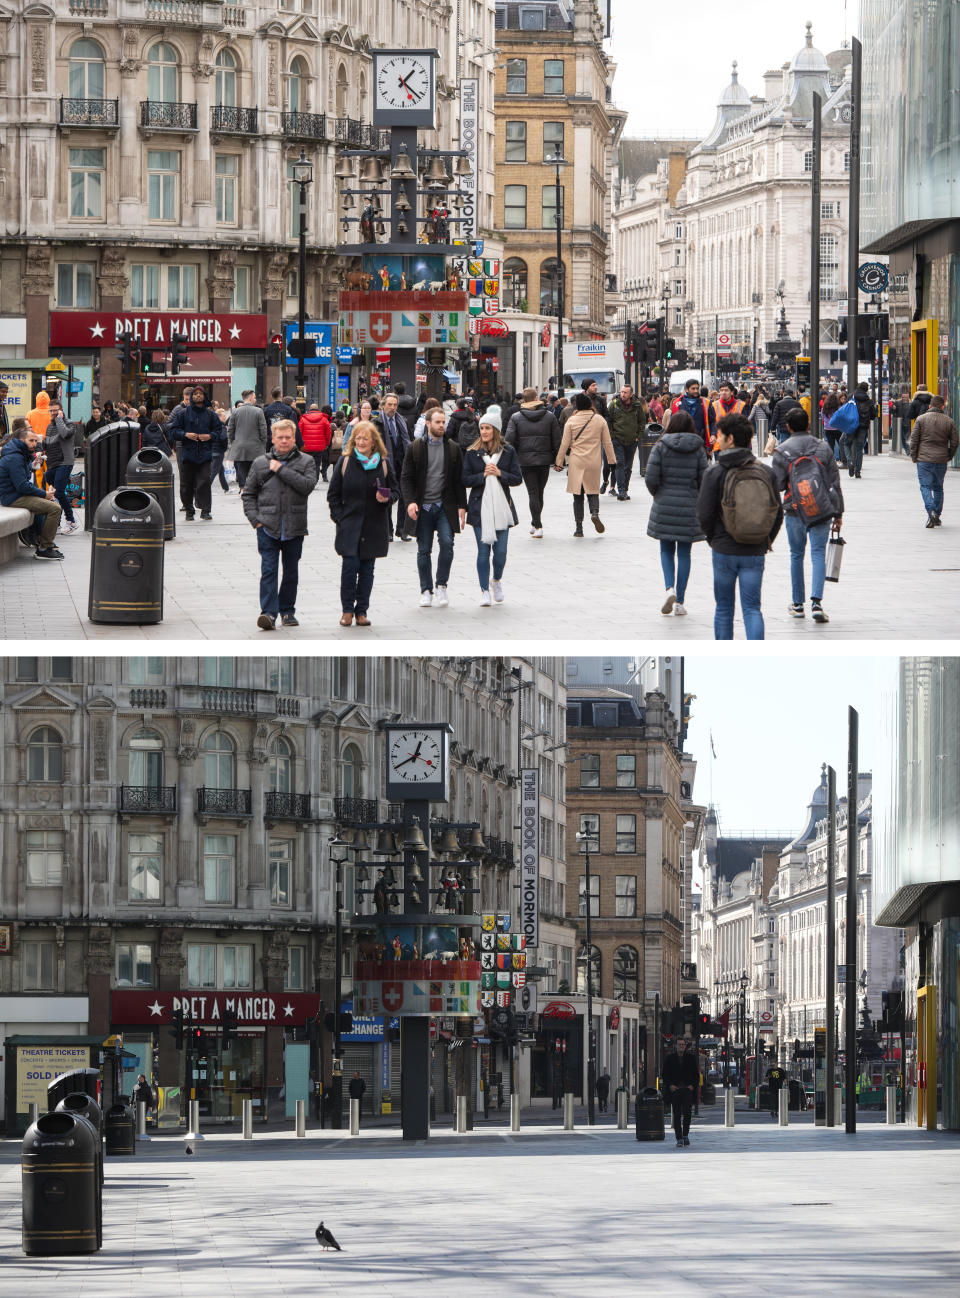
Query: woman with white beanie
[490, 469]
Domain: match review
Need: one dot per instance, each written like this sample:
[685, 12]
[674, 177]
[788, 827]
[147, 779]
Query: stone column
[99, 963]
[188, 893]
[205, 213]
[37, 290]
[131, 170]
[170, 964]
[272, 289]
[112, 282]
[219, 291]
[274, 967]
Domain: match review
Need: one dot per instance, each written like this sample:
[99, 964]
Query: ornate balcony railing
[359, 135]
[142, 799]
[234, 15]
[148, 698]
[89, 112]
[288, 806]
[233, 121]
[305, 126]
[288, 707]
[223, 699]
[355, 811]
[88, 8]
[224, 802]
[162, 116]
[174, 12]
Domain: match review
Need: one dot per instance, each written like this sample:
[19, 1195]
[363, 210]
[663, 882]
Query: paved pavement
[899, 580]
[756, 1209]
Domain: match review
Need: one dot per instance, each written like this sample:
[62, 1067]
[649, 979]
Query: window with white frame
[626, 833]
[39, 963]
[514, 207]
[808, 160]
[237, 966]
[219, 861]
[546, 896]
[515, 143]
[626, 770]
[281, 871]
[213, 965]
[240, 293]
[226, 175]
[75, 281]
[281, 765]
[44, 858]
[295, 977]
[86, 70]
[625, 899]
[145, 863]
[86, 168]
[166, 287]
[546, 836]
[829, 267]
[219, 761]
[226, 79]
[134, 967]
[163, 74]
[163, 184]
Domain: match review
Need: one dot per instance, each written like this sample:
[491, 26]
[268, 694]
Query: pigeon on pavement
[325, 1239]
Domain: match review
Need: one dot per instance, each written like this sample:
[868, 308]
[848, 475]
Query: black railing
[168, 117]
[288, 806]
[233, 121]
[359, 135]
[89, 112]
[148, 698]
[219, 698]
[355, 811]
[224, 802]
[305, 126]
[142, 799]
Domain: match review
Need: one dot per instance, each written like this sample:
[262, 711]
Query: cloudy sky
[674, 63]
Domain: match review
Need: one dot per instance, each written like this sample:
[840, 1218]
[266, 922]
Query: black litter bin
[648, 441]
[152, 471]
[798, 1099]
[61, 1195]
[126, 559]
[120, 1129]
[76, 1080]
[105, 461]
[649, 1115]
[708, 1093]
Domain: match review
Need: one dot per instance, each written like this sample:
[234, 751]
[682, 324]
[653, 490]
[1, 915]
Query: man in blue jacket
[198, 429]
[17, 488]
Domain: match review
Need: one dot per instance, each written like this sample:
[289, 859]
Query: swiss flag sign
[381, 325]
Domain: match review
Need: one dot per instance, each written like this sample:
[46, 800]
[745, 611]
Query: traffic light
[229, 1026]
[671, 347]
[178, 352]
[124, 349]
[760, 1047]
[177, 1030]
[146, 362]
[135, 355]
[274, 354]
[680, 356]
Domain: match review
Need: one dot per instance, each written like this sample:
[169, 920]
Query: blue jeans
[430, 522]
[283, 601]
[356, 583]
[682, 551]
[853, 444]
[797, 537]
[930, 477]
[727, 569]
[61, 476]
[499, 549]
[624, 456]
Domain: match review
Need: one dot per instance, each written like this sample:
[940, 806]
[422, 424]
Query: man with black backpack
[740, 514]
[806, 472]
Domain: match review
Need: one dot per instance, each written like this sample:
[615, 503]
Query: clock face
[415, 756]
[404, 81]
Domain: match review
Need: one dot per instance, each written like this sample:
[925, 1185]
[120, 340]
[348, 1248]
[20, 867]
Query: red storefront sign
[259, 1009]
[493, 327]
[154, 328]
[559, 1010]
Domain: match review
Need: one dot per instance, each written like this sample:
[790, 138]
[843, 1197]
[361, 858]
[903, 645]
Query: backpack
[749, 503]
[846, 419]
[807, 489]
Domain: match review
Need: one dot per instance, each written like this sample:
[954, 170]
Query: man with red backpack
[805, 470]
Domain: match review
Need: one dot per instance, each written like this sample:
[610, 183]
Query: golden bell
[414, 875]
[402, 169]
[476, 839]
[371, 173]
[346, 202]
[402, 227]
[362, 875]
[360, 840]
[414, 897]
[462, 167]
[344, 169]
[450, 841]
[381, 229]
[413, 839]
[436, 172]
[402, 203]
[385, 843]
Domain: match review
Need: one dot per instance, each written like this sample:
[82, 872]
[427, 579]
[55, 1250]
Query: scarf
[495, 512]
[368, 461]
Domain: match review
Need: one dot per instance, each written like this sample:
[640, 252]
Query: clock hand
[411, 758]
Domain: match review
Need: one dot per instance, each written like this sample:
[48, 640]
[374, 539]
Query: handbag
[834, 555]
[336, 440]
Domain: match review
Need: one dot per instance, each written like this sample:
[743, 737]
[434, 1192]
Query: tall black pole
[336, 1081]
[853, 218]
[591, 1062]
[830, 981]
[302, 297]
[560, 283]
[851, 951]
[815, 273]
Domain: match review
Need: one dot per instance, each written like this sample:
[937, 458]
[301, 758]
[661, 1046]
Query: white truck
[601, 360]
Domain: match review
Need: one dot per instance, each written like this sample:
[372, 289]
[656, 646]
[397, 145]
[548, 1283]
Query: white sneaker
[70, 528]
[679, 610]
[537, 533]
[485, 599]
[426, 599]
[669, 602]
[497, 589]
[440, 597]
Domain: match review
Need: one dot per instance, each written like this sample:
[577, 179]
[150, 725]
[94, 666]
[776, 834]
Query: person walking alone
[933, 444]
[196, 428]
[432, 484]
[627, 417]
[246, 435]
[356, 1089]
[535, 435]
[362, 485]
[681, 1078]
[587, 439]
[490, 469]
[855, 442]
[675, 470]
[317, 433]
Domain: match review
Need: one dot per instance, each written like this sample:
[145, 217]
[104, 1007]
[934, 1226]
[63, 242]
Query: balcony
[355, 811]
[288, 706]
[146, 800]
[305, 126]
[359, 135]
[102, 113]
[175, 13]
[148, 698]
[88, 8]
[227, 120]
[223, 802]
[234, 16]
[227, 701]
[157, 115]
[287, 806]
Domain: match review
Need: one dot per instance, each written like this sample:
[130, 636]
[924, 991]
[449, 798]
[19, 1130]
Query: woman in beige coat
[585, 435]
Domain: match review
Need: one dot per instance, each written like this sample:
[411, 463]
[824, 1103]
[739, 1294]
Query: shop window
[219, 860]
[75, 281]
[39, 966]
[44, 858]
[134, 964]
[145, 863]
[45, 756]
[626, 895]
[281, 871]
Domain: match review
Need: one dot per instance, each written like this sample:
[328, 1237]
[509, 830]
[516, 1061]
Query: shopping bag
[847, 418]
[834, 556]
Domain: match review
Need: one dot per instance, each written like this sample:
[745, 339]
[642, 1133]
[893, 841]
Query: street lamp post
[665, 298]
[338, 854]
[587, 838]
[303, 175]
[559, 161]
[743, 1022]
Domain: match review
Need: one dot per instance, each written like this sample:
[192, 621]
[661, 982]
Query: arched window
[45, 755]
[146, 760]
[163, 79]
[226, 79]
[352, 772]
[219, 761]
[625, 974]
[548, 286]
[515, 283]
[594, 962]
[86, 70]
[341, 91]
[281, 765]
[297, 87]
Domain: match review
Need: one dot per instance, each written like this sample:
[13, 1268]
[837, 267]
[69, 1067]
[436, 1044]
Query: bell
[402, 227]
[381, 229]
[344, 169]
[389, 877]
[371, 173]
[456, 199]
[476, 839]
[362, 875]
[402, 203]
[436, 172]
[346, 202]
[413, 839]
[385, 843]
[414, 875]
[462, 167]
[450, 841]
[402, 169]
[360, 840]
[414, 897]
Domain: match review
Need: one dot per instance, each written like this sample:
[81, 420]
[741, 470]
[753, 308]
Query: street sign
[321, 332]
[56, 366]
[723, 343]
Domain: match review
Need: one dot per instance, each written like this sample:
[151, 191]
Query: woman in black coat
[490, 468]
[362, 485]
[676, 466]
[155, 434]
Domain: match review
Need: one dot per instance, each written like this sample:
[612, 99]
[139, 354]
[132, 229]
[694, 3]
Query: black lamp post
[743, 1020]
[303, 175]
[559, 161]
[586, 838]
[338, 854]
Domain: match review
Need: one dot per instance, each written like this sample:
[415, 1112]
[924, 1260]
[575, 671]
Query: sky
[673, 64]
[775, 721]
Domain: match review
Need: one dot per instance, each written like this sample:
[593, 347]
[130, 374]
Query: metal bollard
[460, 1123]
[838, 1106]
[728, 1098]
[142, 1120]
[621, 1110]
[891, 1106]
[514, 1112]
[568, 1111]
[784, 1101]
[247, 1115]
[301, 1117]
[354, 1117]
[34, 1113]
